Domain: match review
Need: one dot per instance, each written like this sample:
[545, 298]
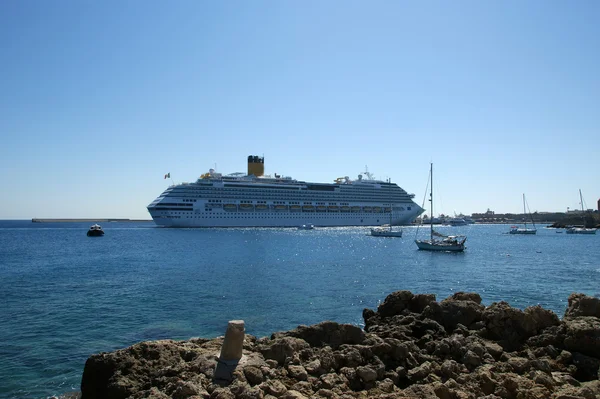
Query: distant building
[599, 205]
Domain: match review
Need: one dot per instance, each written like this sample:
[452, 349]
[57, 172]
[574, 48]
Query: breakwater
[410, 347]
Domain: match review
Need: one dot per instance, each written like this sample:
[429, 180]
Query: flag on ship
[168, 175]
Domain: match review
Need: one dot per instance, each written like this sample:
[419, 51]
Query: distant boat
[524, 230]
[457, 221]
[95, 231]
[580, 230]
[306, 227]
[437, 241]
[386, 230]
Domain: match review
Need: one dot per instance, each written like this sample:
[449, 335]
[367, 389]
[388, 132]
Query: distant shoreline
[39, 220]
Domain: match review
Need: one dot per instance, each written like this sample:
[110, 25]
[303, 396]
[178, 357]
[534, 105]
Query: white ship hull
[277, 219]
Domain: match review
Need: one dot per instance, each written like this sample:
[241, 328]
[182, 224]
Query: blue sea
[65, 296]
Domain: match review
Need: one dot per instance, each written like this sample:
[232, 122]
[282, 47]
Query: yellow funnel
[256, 165]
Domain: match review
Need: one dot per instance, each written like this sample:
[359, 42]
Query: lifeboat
[356, 209]
[387, 209]
[309, 208]
[333, 208]
[345, 209]
[261, 207]
[376, 209]
[295, 207]
[230, 207]
[367, 209]
[281, 207]
[246, 207]
[321, 208]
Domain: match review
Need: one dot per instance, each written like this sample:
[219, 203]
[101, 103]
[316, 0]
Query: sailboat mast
[582, 211]
[431, 201]
[524, 211]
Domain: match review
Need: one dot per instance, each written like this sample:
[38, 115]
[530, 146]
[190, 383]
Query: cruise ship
[258, 200]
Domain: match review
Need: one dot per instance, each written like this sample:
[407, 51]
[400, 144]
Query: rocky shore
[411, 347]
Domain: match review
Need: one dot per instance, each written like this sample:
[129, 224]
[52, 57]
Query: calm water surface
[65, 296]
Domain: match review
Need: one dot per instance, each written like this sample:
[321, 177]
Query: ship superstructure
[257, 200]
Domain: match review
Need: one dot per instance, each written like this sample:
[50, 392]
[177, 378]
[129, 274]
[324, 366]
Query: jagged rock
[582, 305]
[467, 296]
[452, 312]
[419, 372]
[537, 319]
[291, 394]
[298, 372]
[583, 335]
[588, 368]
[419, 391]
[273, 387]
[253, 375]
[519, 364]
[505, 325]
[366, 373]
[281, 348]
[327, 333]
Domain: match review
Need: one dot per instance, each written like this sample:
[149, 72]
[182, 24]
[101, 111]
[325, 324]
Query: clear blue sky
[99, 99]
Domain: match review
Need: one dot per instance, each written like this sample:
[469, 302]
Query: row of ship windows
[302, 201]
[218, 201]
[284, 189]
[245, 217]
[280, 193]
[271, 214]
[266, 196]
[275, 192]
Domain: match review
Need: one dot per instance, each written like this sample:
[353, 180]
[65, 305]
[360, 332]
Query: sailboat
[386, 230]
[581, 230]
[523, 230]
[438, 241]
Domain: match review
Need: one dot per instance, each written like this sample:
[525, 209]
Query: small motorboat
[95, 231]
[306, 227]
[385, 232]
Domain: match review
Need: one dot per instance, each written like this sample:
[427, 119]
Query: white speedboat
[580, 230]
[456, 221]
[95, 231]
[306, 227]
[384, 231]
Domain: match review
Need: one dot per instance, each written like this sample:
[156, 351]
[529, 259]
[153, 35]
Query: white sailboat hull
[579, 230]
[386, 233]
[441, 246]
[523, 231]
